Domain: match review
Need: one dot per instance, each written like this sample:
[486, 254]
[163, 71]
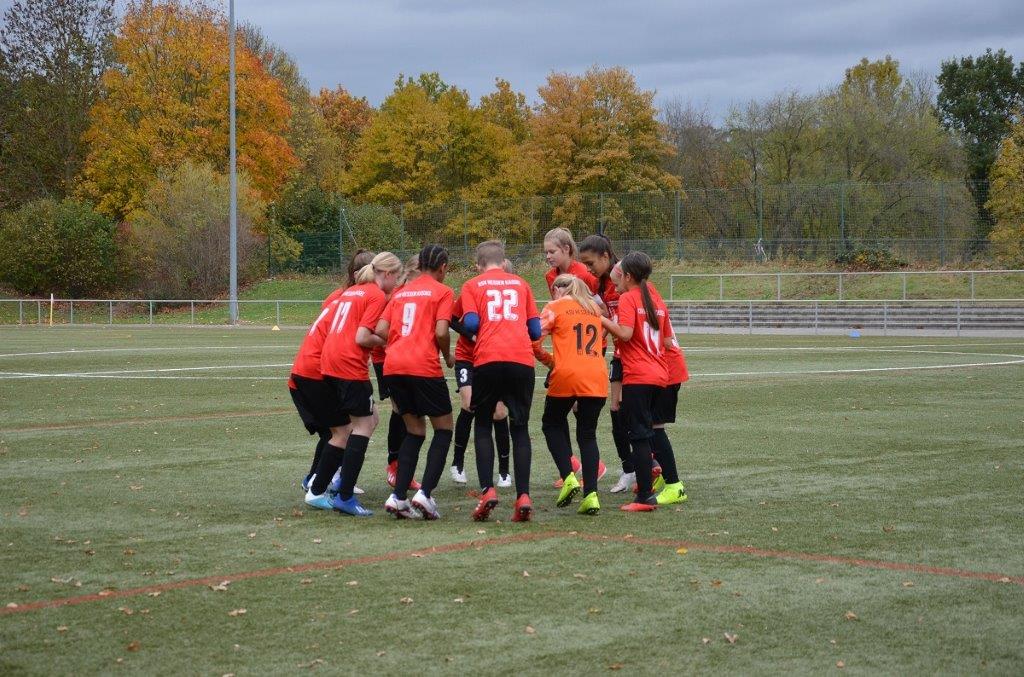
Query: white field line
[74, 351]
[164, 373]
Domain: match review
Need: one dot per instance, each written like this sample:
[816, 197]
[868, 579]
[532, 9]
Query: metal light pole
[232, 172]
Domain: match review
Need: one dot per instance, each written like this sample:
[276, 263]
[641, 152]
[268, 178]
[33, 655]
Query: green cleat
[570, 487]
[671, 494]
[658, 484]
[590, 504]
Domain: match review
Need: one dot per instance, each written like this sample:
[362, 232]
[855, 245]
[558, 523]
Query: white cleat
[458, 476]
[625, 483]
[504, 480]
[401, 509]
[426, 505]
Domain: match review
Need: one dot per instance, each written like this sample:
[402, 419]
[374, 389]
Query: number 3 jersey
[412, 315]
[358, 306]
[504, 302]
[579, 367]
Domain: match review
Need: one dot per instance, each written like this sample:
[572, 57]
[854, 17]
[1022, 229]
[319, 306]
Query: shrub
[65, 248]
[870, 258]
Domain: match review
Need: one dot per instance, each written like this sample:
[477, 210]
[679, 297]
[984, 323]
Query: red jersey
[333, 296]
[463, 347]
[675, 362]
[575, 268]
[504, 302]
[412, 315]
[360, 305]
[643, 355]
[610, 297]
[307, 361]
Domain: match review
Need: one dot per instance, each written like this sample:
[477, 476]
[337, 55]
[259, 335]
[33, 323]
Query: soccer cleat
[321, 502]
[458, 476]
[504, 480]
[589, 505]
[351, 506]
[576, 467]
[658, 484]
[488, 502]
[523, 509]
[335, 485]
[426, 505]
[401, 508]
[570, 487]
[638, 507]
[392, 477]
[626, 480]
[671, 494]
[602, 469]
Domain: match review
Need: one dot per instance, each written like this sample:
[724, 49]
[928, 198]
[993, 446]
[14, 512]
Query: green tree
[62, 247]
[52, 54]
[977, 99]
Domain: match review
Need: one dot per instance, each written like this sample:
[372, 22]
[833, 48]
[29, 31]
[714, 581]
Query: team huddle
[399, 318]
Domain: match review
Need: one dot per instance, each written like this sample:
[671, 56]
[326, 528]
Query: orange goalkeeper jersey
[579, 367]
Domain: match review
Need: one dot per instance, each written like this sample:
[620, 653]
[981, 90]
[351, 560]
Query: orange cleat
[638, 507]
[488, 502]
[523, 509]
[392, 477]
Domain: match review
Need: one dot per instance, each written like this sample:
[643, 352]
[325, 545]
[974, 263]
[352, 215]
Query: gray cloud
[710, 53]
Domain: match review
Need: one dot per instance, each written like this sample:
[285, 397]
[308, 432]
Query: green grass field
[855, 505]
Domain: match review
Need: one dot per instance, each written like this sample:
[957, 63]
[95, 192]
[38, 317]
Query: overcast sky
[710, 53]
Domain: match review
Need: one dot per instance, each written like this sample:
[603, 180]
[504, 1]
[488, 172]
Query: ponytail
[649, 307]
[638, 265]
[364, 275]
[577, 289]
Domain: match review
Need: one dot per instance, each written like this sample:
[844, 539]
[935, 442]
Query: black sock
[325, 437]
[463, 426]
[642, 463]
[589, 456]
[437, 456]
[331, 458]
[502, 443]
[484, 447]
[355, 453]
[408, 457]
[665, 456]
[621, 439]
[396, 431]
[521, 455]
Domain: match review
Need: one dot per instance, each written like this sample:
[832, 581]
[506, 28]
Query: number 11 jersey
[504, 302]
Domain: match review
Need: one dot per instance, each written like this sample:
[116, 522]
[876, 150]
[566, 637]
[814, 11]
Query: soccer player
[396, 428]
[668, 485]
[579, 377]
[560, 253]
[416, 325]
[643, 333]
[597, 255]
[343, 362]
[500, 309]
[314, 401]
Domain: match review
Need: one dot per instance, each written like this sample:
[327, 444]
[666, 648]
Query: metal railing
[843, 279]
[196, 312]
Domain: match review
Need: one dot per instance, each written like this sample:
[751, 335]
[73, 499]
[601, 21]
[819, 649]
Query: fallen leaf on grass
[908, 584]
[125, 610]
[1004, 579]
[129, 551]
[716, 583]
[135, 487]
[526, 574]
[305, 581]
[352, 583]
[237, 612]
[705, 640]
[220, 587]
[134, 645]
[840, 665]
[850, 616]
[313, 663]
[530, 630]
[62, 628]
[406, 600]
[459, 600]
[819, 580]
[775, 530]
[155, 593]
[888, 528]
[23, 512]
[353, 612]
[616, 666]
[417, 555]
[681, 551]
[12, 605]
[318, 541]
[731, 638]
[579, 575]
[481, 531]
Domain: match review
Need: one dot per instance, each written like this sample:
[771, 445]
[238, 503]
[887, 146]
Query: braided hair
[638, 265]
[433, 256]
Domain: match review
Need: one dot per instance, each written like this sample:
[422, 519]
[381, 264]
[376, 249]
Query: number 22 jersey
[504, 302]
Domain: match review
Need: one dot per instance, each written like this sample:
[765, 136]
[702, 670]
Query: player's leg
[502, 442]
[637, 403]
[464, 422]
[671, 490]
[357, 401]
[587, 413]
[619, 435]
[486, 392]
[518, 387]
[437, 405]
[554, 423]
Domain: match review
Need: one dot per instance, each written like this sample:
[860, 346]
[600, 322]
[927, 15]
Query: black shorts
[355, 398]
[508, 382]
[317, 404]
[420, 395]
[382, 383]
[615, 373]
[637, 410]
[463, 375]
[665, 404]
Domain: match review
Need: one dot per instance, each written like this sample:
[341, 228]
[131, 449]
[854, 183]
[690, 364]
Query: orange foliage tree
[166, 101]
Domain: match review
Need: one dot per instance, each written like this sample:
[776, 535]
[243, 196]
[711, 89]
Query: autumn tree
[345, 117]
[507, 108]
[1006, 198]
[165, 103]
[52, 54]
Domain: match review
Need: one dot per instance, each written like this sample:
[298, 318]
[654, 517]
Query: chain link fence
[935, 222]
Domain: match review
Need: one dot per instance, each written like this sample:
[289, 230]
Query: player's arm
[617, 330]
[368, 339]
[382, 329]
[444, 341]
[543, 356]
[532, 316]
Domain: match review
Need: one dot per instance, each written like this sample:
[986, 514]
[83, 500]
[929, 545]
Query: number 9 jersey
[412, 315]
[504, 302]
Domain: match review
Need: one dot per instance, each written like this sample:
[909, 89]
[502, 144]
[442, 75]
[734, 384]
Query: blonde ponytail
[577, 289]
